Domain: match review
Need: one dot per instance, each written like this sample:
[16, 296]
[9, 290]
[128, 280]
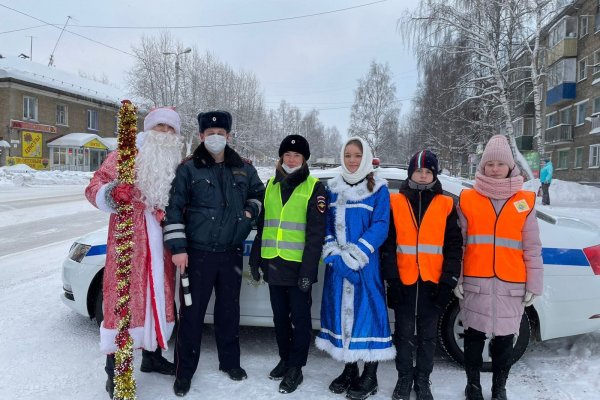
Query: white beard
[155, 164]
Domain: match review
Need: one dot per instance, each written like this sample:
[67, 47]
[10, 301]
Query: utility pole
[30, 47]
[177, 54]
[51, 62]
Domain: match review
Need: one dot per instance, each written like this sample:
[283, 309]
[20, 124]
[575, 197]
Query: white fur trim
[357, 254]
[360, 205]
[347, 317]
[350, 261]
[329, 249]
[356, 192]
[348, 356]
[107, 338]
[101, 200]
[157, 257]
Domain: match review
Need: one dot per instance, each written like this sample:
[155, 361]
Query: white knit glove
[459, 291]
[528, 299]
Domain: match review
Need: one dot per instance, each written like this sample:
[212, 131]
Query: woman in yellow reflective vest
[287, 248]
[421, 264]
[502, 265]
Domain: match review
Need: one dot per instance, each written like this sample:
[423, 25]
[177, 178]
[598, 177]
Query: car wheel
[98, 313]
[451, 337]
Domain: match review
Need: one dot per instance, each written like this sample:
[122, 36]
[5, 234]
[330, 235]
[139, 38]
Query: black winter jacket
[278, 271]
[208, 200]
[452, 251]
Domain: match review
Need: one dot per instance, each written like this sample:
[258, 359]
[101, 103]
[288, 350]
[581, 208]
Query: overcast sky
[311, 62]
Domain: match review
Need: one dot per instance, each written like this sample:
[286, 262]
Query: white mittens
[459, 291]
[529, 298]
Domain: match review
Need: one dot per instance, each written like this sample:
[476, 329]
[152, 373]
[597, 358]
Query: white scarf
[366, 164]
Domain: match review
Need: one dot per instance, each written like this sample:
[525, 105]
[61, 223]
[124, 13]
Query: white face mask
[289, 170]
[215, 143]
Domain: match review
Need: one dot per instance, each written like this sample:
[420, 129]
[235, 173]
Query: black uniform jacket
[452, 250]
[208, 200]
[278, 271]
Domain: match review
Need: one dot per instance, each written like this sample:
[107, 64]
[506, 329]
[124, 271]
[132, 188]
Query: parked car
[570, 304]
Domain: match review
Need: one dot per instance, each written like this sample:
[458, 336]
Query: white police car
[569, 306]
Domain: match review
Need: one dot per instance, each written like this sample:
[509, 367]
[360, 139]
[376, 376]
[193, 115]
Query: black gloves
[304, 284]
[441, 296]
[255, 272]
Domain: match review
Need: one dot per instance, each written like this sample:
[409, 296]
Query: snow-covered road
[49, 352]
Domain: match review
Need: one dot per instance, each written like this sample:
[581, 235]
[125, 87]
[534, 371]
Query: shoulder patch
[321, 204]
[239, 172]
[521, 206]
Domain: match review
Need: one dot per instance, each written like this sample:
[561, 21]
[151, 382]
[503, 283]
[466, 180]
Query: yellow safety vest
[284, 229]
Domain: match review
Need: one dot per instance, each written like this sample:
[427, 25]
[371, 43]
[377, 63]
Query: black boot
[403, 386]
[181, 386]
[153, 361]
[423, 387]
[499, 385]
[278, 372]
[366, 384]
[343, 382]
[291, 380]
[473, 389]
[110, 372]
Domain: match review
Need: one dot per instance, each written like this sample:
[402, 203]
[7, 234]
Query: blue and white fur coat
[354, 318]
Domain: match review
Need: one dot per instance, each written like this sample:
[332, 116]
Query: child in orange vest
[421, 264]
[502, 267]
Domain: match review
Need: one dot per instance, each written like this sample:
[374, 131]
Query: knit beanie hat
[163, 115]
[295, 143]
[497, 149]
[423, 159]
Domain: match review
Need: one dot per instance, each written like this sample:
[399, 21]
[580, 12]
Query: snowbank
[564, 192]
[23, 175]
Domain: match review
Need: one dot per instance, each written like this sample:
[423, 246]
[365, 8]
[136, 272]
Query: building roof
[79, 139]
[29, 71]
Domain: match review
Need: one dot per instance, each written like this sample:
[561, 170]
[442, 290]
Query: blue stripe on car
[101, 249]
[574, 257]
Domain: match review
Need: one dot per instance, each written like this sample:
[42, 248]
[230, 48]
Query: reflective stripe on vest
[419, 249]
[494, 241]
[284, 230]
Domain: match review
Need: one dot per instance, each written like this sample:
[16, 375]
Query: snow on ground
[49, 352]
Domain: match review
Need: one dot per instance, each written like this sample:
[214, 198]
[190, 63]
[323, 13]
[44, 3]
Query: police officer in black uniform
[215, 197]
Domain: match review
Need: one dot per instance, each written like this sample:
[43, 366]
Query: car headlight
[78, 251]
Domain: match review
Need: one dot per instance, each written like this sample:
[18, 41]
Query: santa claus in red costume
[152, 273]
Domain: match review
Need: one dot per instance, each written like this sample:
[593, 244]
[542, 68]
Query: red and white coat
[152, 273]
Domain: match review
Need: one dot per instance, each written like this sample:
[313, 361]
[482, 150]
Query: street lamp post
[177, 54]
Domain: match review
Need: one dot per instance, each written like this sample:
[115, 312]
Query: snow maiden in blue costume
[354, 319]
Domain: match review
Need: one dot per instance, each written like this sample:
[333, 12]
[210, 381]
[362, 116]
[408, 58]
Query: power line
[263, 21]
[66, 30]
[22, 29]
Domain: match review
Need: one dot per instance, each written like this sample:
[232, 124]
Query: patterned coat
[354, 319]
[152, 274]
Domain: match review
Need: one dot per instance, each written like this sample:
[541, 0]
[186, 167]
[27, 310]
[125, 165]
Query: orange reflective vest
[419, 249]
[495, 241]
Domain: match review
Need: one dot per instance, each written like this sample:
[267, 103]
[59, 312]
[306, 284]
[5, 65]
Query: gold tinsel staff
[124, 380]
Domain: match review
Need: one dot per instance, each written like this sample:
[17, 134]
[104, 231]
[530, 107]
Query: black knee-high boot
[474, 343]
[501, 349]
[343, 382]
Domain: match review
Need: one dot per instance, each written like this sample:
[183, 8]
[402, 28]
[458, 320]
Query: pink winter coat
[493, 306]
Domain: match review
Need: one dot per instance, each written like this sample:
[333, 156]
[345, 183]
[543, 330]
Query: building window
[92, 120]
[30, 108]
[566, 27]
[563, 159]
[565, 116]
[564, 70]
[582, 69]
[62, 115]
[584, 23]
[578, 157]
[596, 58]
[551, 120]
[596, 106]
[581, 111]
[594, 155]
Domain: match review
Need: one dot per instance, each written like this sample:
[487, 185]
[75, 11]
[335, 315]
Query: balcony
[565, 48]
[595, 124]
[524, 142]
[561, 93]
[524, 109]
[559, 134]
